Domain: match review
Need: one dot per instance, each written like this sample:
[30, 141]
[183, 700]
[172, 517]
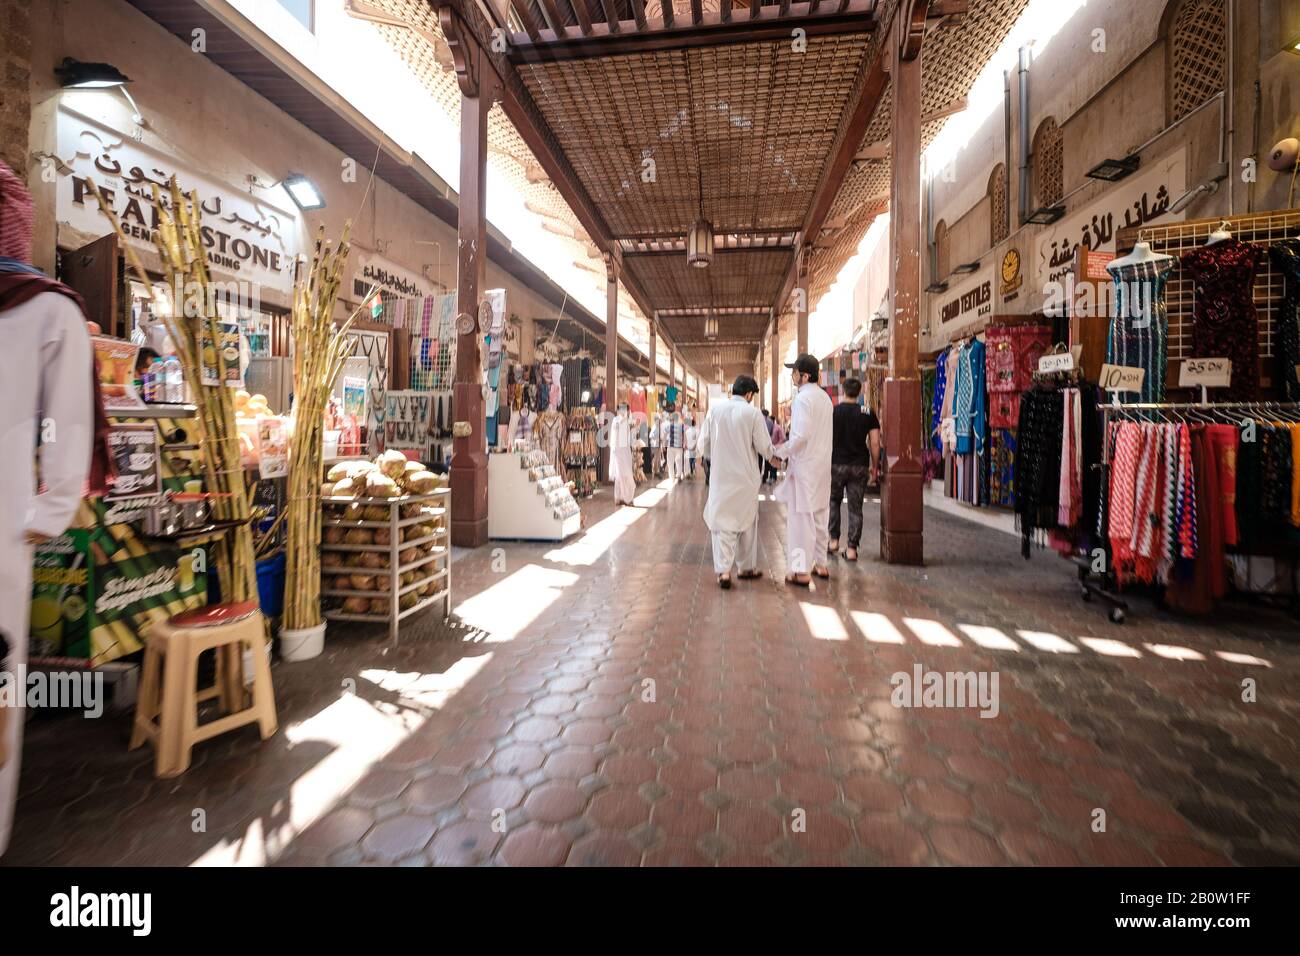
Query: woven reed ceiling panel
[747, 127]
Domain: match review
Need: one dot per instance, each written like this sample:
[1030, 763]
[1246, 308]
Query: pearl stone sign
[247, 239]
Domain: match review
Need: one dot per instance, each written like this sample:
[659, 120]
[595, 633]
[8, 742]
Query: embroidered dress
[1286, 259]
[1139, 328]
[1225, 323]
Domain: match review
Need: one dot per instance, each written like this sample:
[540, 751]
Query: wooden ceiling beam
[755, 7]
[724, 11]
[697, 11]
[583, 15]
[611, 16]
[638, 12]
[526, 17]
[552, 14]
[765, 23]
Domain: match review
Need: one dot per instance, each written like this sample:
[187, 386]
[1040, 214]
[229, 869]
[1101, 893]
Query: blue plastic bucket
[270, 584]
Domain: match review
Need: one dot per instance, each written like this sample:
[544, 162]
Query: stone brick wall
[15, 82]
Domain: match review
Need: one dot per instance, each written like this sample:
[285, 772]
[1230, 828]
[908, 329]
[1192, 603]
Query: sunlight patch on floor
[987, 637]
[823, 622]
[877, 628]
[507, 607]
[932, 632]
[1047, 642]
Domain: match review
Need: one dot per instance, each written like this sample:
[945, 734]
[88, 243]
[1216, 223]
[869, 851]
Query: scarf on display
[1038, 464]
[20, 282]
[1152, 508]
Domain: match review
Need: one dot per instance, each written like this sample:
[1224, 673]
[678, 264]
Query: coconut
[359, 536]
[372, 559]
[380, 605]
[381, 486]
[383, 536]
[422, 482]
[374, 513]
[339, 471]
[409, 555]
[347, 488]
[356, 605]
[391, 463]
[362, 582]
[333, 535]
[327, 489]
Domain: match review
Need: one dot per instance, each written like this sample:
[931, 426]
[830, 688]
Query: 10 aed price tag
[1121, 378]
[1205, 372]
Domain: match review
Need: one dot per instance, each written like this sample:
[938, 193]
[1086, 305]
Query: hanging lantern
[711, 327]
[717, 358]
[699, 244]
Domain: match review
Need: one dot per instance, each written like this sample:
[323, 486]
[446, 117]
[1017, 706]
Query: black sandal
[724, 582]
[749, 575]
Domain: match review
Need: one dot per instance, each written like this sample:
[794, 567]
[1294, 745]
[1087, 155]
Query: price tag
[1205, 372]
[1060, 362]
[1122, 378]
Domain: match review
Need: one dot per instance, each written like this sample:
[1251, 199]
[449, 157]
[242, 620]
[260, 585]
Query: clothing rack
[1142, 411]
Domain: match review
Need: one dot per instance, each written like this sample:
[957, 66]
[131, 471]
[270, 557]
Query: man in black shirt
[855, 450]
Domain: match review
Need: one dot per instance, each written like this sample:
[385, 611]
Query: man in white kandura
[806, 490]
[620, 457]
[732, 434]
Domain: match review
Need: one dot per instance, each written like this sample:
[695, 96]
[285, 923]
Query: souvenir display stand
[527, 499]
[408, 555]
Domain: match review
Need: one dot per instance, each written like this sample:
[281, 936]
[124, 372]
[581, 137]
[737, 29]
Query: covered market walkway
[602, 702]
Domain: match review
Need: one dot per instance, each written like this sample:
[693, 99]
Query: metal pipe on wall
[1006, 147]
[1022, 81]
[1229, 111]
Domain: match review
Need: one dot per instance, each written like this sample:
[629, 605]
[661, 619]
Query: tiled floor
[604, 703]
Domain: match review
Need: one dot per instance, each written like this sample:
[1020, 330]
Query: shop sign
[61, 573]
[1011, 277]
[373, 271]
[247, 239]
[965, 304]
[135, 452]
[116, 359]
[1135, 201]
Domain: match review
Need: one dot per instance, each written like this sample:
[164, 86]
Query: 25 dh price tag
[1205, 372]
[1122, 378]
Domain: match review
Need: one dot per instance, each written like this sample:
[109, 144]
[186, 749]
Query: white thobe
[732, 435]
[45, 370]
[806, 491]
[620, 460]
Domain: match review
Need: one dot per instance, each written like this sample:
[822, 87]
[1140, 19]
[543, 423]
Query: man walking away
[692, 444]
[806, 490]
[778, 438]
[733, 434]
[676, 447]
[856, 446]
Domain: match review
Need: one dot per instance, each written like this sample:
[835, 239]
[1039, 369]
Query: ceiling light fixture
[78, 75]
[303, 191]
[1113, 170]
[699, 244]
[711, 327]
[1045, 215]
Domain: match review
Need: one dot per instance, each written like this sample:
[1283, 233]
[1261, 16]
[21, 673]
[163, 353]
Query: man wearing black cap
[731, 436]
[807, 488]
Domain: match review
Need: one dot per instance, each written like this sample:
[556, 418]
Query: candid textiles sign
[1143, 197]
[247, 239]
[964, 304]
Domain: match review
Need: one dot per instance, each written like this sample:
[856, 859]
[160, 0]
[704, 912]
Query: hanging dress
[1286, 259]
[1224, 321]
[1139, 327]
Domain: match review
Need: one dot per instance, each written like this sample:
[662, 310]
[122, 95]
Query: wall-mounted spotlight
[78, 75]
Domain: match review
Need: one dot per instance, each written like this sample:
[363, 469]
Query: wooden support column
[901, 495]
[801, 304]
[469, 478]
[654, 352]
[776, 366]
[611, 332]
[672, 366]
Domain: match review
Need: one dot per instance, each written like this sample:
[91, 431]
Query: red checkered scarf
[17, 213]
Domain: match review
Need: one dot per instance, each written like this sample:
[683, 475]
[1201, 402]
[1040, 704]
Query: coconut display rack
[386, 559]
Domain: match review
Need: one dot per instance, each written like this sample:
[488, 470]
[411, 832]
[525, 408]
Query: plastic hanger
[1220, 233]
